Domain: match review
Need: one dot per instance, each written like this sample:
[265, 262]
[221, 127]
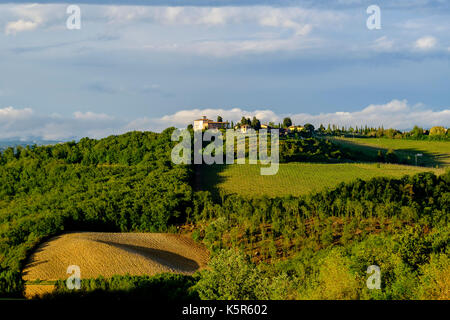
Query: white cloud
[182, 118]
[285, 19]
[24, 123]
[383, 44]
[9, 113]
[31, 16]
[299, 20]
[425, 43]
[20, 25]
[228, 48]
[91, 116]
[396, 114]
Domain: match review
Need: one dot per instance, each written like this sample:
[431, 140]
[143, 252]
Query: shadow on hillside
[405, 155]
[208, 178]
[169, 259]
[172, 260]
[31, 262]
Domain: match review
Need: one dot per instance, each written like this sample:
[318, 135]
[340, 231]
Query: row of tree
[417, 133]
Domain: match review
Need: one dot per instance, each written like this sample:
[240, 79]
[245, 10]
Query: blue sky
[133, 66]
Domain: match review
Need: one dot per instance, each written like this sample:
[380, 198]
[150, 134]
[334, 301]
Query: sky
[134, 66]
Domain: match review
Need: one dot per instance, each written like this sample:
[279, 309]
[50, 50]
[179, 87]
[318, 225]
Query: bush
[435, 281]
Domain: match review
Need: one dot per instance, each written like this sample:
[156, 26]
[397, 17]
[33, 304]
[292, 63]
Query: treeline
[162, 287]
[417, 133]
[121, 183]
[313, 150]
[297, 147]
[307, 130]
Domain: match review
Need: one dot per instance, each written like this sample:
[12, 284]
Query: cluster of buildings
[205, 123]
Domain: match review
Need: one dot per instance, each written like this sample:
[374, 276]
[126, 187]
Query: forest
[316, 246]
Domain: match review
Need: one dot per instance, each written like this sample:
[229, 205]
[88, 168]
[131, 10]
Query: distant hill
[16, 142]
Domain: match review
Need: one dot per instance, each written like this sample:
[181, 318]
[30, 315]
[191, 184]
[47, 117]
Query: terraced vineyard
[295, 178]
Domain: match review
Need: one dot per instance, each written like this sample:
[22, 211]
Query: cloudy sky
[133, 66]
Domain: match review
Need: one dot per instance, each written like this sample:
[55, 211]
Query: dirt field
[108, 254]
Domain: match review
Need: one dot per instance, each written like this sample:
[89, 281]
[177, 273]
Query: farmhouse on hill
[205, 123]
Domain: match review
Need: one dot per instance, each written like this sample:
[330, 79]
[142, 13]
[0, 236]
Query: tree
[245, 121]
[380, 156]
[309, 129]
[321, 128]
[219, 119]
[416, 132]
[231, 276]
[256, 124]
[287, 122]
[437, 131]
[391, 157]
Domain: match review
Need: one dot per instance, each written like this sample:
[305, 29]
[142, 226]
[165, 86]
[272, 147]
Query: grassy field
[435, 153]
[294, 178]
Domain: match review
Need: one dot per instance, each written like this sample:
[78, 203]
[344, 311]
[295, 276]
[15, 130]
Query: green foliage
[435, 279]
[311, 150]
[391, 157]
[287, 122]
[310, 246]
[232, 276]
[322, 244]
[414, 247]
[162, 287]
[121, 183]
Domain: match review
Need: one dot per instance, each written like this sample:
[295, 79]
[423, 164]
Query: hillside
[434, 153]
[272, 245]
[109, 254]
[295, 178]
[120, 183]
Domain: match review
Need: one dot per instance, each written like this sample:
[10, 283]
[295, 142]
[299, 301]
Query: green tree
[437, 131]
[391, 156]
[416, 132]
[256, 124]
[230, 277]
[287, 122]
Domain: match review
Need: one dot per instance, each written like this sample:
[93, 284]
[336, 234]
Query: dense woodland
[316, 246]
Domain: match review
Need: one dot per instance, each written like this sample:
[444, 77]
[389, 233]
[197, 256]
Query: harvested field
[108, 254]
[32, 290]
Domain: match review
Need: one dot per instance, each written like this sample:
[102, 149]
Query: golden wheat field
[108, 254]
